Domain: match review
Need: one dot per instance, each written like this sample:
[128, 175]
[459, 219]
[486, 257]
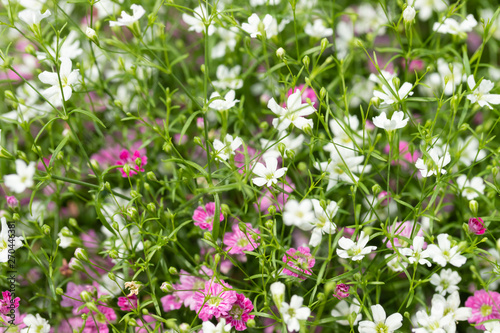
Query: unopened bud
[306, 61]
[166, 287]
[272, 209]
[198, 141]
[151, 207]
[280, 53]
[46, 229]
[81, 254]
[473, 206]
[324, 44]
[322, 93]
[375, 101]
[172, 270]
[151, 176]
[86, 296]
[76, 265]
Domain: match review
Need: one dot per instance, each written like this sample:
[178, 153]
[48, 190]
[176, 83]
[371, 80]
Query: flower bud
[172, 270]
[46, 229]
[113, 254]
[151, 207]
[376, 189]
[324, 44]
[476, 226]
[251, 323]
[264, 125]
[272, 210]
[166, 287]
[278, 293]
[375, 101]
[341, 291]
[280, 53]
[151, 176]
[76, 265]
[322, 93]
[112, 276]
[269, 223]
[86, 296]
[92, 35]
[409, 14]
[306, 61]
[198, 141]
[208, 236]
[59, 291]
[473, 206]
[81, 254]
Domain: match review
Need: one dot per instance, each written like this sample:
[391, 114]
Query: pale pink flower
[189, 285]
[299, 259]
[127, 303]
[171, 302]
[215, 300]
[204, 216]
[238, 241]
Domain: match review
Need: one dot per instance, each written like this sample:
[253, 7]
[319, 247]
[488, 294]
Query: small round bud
[113, 254]
[76, 265]
[59, 291]
[81, 254]
[322, 93]
[272, 209]
[269, 224]
[376, 189]
[197, 140]
[324, 44]
[306, 61]
[112, 276]
[46, 229]
[473, 206]
[151, 176]
[72, 222]
[151, 207]
[280, 53]
[86, 296]
[264, 125]
[172, 270]
[166, 287]
[375, 101]
[409, 14]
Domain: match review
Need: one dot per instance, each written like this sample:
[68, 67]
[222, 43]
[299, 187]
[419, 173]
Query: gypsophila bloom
[471, 189]
[278, 293]
[215, 300]
[435, 165]
[451, 306]
[128, 303]
[33, 17]
[322, 223]
[223, 104]
[426, 7]
[127, 20]
[223, 150]
[396, 121]
[480, 94]
[293, 113]
[35, 324]
[436, 321]
[228, 78]
[66, 237]
[416, 253]
[221, 327]
[355, 250]
[197, 21]
[298, 213]
[204, 216]
[268, 175]
[299, 259]
[395, 96]
[129, 160]
[452, 27]
[350, 312]
[68, 78]
[397, 263]
[484, 305]
[253, 27]
[492, 327]
[318, 29]
[446, 281]
[23, 178]
[238, 241]
[293, 312]
[476, 226]
[381, 323]
[444, 253]
[409, 14]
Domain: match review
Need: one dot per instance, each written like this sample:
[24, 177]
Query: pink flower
[187, 288]
[171, 302]
[8, 304]
[238, 241]
[239, 313]
[484, 305]
[299, 259]
[127, 303]
[11, 201]
[277, 200]
[204, 216]
[400, 230]
[476, 226]
[215, 300]
[306, 93]
[127, 159]
[341, 291]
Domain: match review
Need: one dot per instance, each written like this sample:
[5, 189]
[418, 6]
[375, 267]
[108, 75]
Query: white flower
[298, 213]
[66, 237]
[469, 150]
[228, 41]
[434, 165]
[370, 19]
[33, 17]
[344, 39]
[446, 281]
[444, 253]
[69, 47]
[6, 242]
[196, 22]
[224, 150]
[342, 169]
[126, 19]
[481, 95]
[322, 223]
[291, 143]
[343, 309]
[436, 322]
[389, 98]
[452, 307]
[425, 7]
[380, 323]
[346, 136]
[228, 78]
[68, 79]
[452, 27]
[454, 77]
[35, 324]
[417, 254]
[278, 292]
[222, 327]
[397, 263]
[492, 327]
[23, 178]
[223, 104]
[268, 24]
[470, 189]
[396, 122]
[318, 29]
[409, 14]
[355, 250]
[294, 312]
[293, 113]
[268, 174]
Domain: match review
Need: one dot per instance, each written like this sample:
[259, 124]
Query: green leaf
[88, 114]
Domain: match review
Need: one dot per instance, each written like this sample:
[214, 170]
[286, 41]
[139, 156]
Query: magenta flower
[402, 229]
[484, 305]
[127, 303]
[215, 300]
[238, 241]
[341, 291]
[8, 304]
[11, 201]
[127, 159]
[239, 313]
[299, 259]
[204, 216]
[476, 226]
